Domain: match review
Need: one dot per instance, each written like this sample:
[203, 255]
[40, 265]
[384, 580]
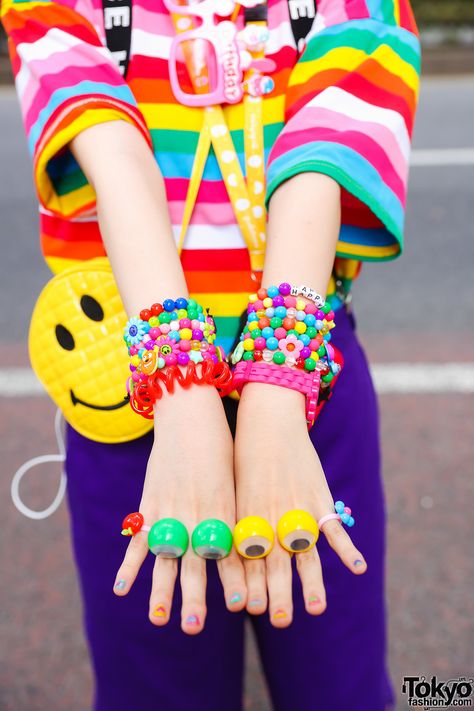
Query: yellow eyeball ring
[253, 537]
[297, 531]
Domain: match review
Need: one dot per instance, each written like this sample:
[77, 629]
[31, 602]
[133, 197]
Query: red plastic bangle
[146, 393]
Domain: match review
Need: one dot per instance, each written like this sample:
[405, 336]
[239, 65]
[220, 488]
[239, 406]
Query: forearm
[303, 228]
[132, 212]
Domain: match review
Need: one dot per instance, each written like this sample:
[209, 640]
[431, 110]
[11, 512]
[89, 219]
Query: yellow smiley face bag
[78, 353]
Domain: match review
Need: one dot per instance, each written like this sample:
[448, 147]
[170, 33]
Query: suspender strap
[118, 24]
[302, 14]
[118, 30]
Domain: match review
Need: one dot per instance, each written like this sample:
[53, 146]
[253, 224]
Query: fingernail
[192, 620]
[313, 601]
[235, 598]
[120, 584]
[159, 611]
[279, 614]
[358, 562]
[256, 602]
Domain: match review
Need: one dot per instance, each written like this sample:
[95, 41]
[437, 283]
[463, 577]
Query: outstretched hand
[190, 478]
[277, 470]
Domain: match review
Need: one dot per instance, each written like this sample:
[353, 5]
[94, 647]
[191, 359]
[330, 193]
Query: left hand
[277, 469]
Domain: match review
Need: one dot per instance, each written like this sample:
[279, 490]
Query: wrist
[272, 403]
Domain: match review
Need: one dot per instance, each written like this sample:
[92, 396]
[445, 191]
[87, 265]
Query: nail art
[313, 601]
[159, 611]
[120, 584]
[235, 598]
[279, 614]
[358, 562]
[192, 620]
[255, 603]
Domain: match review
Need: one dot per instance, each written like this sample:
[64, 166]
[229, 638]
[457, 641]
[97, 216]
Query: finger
[193, 588]
[231, 573]
[136, 553]
[279, 587]
[341, 543]
[164, 577]
[311, 575]
[256, 578]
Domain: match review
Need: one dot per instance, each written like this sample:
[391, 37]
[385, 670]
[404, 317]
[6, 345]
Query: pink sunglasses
[213, 54]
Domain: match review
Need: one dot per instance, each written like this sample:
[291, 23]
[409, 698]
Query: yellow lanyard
[246, 196]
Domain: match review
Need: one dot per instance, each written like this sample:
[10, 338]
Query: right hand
[189, 477]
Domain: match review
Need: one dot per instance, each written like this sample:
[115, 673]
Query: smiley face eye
[64, 337]
[92, 308]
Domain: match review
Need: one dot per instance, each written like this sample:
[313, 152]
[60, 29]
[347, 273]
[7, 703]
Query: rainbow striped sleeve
[349, 114]
[66, 81]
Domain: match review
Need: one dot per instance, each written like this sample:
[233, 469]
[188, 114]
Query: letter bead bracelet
[286, 342]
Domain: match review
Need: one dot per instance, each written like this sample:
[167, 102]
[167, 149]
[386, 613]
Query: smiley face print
[77, 352]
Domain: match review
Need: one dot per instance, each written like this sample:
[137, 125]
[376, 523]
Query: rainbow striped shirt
[343, 105]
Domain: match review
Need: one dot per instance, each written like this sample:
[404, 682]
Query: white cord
[60, 458]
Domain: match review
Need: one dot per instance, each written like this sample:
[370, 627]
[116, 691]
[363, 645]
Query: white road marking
[423, 378]
[424, 157]
[389, 378]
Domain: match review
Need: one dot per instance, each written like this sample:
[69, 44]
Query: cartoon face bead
[149, 362]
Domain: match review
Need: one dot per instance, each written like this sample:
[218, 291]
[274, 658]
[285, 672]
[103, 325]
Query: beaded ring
[343, 514]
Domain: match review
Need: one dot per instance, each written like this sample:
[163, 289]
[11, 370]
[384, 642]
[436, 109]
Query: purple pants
[330, 663]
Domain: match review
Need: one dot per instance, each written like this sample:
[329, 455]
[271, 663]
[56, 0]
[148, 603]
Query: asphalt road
[405, 310]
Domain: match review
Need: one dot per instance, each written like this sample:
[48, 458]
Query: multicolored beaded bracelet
[172, 333]
[175, 333]
[285, 330]
[288, 334]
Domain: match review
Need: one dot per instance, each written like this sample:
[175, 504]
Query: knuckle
[129, 565]
[306, 560]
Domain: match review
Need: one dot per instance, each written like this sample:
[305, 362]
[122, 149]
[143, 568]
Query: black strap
[302, 14]
[118, 30]
[118, 24]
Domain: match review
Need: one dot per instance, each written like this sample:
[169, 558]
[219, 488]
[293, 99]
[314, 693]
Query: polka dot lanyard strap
[246, 196]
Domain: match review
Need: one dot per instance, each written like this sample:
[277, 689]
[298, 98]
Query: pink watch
[248, 371]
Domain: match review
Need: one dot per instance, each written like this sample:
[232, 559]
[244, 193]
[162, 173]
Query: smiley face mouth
[77, 401]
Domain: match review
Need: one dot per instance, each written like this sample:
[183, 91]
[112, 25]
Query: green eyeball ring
[212, 539]
[168, 538]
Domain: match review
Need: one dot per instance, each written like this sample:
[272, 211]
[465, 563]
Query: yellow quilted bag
[78, 353]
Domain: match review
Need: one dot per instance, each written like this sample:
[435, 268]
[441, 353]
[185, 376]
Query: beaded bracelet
[165, 336]
[172, 333]
[290, 333]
